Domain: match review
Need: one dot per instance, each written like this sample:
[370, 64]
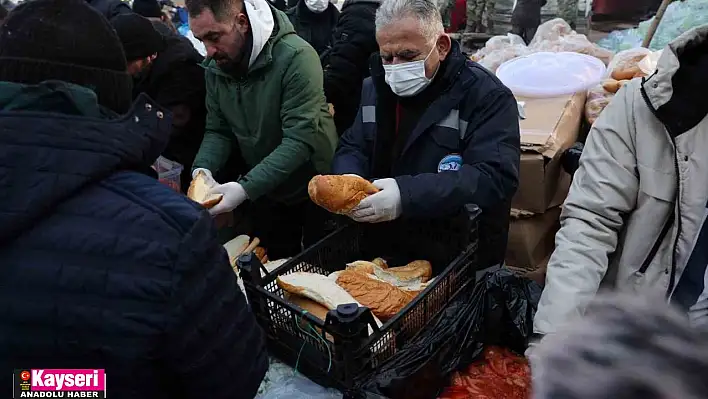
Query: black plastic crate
[335, 352]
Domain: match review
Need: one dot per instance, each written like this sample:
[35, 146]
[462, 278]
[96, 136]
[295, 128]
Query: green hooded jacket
[277, 113]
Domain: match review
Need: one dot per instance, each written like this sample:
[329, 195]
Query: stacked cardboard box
[551, 126]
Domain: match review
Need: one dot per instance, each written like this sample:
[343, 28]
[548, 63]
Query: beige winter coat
[639, 198]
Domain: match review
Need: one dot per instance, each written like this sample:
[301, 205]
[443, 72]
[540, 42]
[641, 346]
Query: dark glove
[571, 158]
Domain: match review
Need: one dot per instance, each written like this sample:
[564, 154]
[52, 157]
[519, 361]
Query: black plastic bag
[498, 310]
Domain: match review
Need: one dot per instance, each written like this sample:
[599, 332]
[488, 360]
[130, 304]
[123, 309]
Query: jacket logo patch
[451, 162]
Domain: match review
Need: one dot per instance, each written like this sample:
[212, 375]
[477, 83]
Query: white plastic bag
[496, 43]
[282, 382]
[648, 63]
[557, 36]
[500, 49]
[493, 60]
[627, 59]
[551, 31]
[575, 43]
[598, 98]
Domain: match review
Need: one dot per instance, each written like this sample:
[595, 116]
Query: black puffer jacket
[315, 28]
[176, 81]
[346, 65]
[110, 8]
[103, 266]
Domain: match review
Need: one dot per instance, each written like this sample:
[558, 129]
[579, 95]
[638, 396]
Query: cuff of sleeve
[406, 200]
[253, 191]
[536, 337]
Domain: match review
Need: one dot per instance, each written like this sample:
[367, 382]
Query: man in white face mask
[434, 131]
[314, 21]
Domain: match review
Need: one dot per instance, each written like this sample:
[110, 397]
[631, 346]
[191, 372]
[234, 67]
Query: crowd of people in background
[105, 267]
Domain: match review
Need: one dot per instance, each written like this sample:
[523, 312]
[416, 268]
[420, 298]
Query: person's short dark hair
[220, 8]
[627, 346]
[65, 40]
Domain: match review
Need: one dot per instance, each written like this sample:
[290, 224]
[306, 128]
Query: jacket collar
[674, 91]
[55, 141]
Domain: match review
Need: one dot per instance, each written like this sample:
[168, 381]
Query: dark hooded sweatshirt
[176, 81]
[104, 267]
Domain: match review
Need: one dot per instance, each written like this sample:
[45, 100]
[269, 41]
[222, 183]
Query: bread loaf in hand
[339, 194]
[199, 191]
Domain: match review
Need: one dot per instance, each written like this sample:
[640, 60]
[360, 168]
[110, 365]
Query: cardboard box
[537, 273]
[531, 238]
[551, 127]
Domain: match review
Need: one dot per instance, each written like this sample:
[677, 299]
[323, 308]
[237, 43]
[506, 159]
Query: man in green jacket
[265, 95]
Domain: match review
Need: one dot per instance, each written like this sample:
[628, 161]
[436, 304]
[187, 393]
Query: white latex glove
[207, 172]
[383, 206]
[233, 196]
[530, 350]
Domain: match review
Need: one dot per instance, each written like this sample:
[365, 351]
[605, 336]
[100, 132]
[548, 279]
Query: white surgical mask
[408, 79]
[317, 6]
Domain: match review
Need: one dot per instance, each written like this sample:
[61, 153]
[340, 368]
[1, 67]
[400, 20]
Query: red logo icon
[25, 375]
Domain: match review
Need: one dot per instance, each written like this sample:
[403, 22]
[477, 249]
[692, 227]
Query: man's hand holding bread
[217, 198]
[356, 197]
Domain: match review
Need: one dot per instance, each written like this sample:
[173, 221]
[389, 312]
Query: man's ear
[444, 44]
[242, 23]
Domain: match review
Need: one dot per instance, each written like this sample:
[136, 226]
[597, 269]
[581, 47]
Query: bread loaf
[199, 191]
[384, 299]
[311, 307]
[362, 266]
[339, 194]
[380, 262]
[611, 85]
[626, 73]
[412, 274]
[274, 264]
[318, 288]
[418, 269]
[235, 248]
[308, 305]
[260, 253]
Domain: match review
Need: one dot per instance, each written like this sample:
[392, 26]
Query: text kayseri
[64, 380]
